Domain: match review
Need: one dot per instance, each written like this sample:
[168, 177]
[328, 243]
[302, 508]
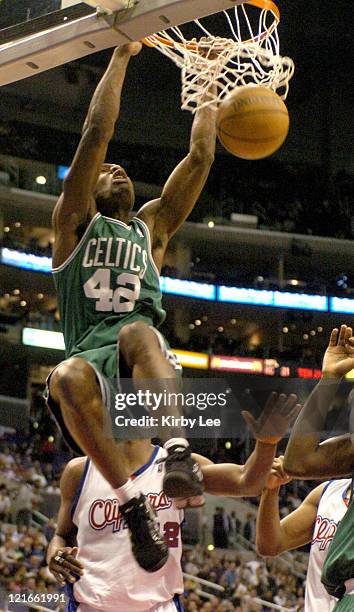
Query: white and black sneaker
[183, 475]
[148, 546]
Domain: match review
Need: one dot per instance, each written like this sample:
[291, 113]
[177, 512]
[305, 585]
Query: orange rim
[267, 5]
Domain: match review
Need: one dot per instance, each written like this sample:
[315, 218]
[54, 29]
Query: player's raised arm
[61, 553]
[306, 456]
[273, 535]
[183, 188]
[248, 479]
[76, 205]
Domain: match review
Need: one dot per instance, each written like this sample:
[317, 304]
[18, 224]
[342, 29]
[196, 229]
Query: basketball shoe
[148, 546]
[183, 475]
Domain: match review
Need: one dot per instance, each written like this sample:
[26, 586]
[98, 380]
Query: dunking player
[315, 520]
[307, 457]
[106, 270]
[89, 516]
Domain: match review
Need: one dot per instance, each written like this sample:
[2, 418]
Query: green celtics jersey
[338, 567]
[108, 281]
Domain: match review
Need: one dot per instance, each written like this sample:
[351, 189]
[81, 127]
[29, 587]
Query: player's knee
[70, 379]
[136, 341]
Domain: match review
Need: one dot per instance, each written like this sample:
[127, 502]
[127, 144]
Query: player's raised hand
[339, 357]
[277, 475]
[64, 565]
[132, 48]
[279, 413]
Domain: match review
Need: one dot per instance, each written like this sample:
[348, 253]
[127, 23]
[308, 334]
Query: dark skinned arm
[306, 456]
[63, 542]
[165, 215]
[76, 204]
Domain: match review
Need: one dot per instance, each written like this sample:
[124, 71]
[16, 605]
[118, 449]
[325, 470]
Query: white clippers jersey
[331, 509]
[113, 581]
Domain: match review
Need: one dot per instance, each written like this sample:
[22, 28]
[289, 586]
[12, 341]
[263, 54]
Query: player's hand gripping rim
[65, 567]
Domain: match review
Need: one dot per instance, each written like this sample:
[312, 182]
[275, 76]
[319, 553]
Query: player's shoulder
[315, 495]
[71, 476]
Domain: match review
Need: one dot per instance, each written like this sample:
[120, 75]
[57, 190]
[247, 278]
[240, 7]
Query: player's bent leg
[74, 389]
[145, 355]
[142, 352]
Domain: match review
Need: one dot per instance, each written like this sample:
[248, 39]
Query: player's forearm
[304, 443]
[256, 468]
[203, 136]
[268, 530]
[105, 104]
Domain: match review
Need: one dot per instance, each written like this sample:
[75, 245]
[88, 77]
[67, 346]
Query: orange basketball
[252, 122]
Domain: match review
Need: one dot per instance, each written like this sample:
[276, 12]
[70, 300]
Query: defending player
[106, 271]
[89, 516]
[315, 520]
[307, 457]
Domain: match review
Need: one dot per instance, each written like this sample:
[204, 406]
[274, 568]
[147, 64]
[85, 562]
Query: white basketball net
[227, 62]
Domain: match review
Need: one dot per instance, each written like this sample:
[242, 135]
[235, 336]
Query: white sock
[125, 492]
[176, 442]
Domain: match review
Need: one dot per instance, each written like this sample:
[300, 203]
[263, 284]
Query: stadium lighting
[41, 180]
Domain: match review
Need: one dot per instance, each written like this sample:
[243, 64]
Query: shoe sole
[158, 566]
[178, 484]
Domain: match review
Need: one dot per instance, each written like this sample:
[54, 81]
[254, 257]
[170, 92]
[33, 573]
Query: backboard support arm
[53, 46]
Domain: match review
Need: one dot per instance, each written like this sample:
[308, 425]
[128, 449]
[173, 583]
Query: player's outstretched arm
[165, 215]
[61, 553]
[248, 479]
[306, 456]
[274, 536]
[76, 205]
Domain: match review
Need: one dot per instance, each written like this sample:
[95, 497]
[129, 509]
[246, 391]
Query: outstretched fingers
[342, 335]
[333, 337]
[288, 405]
[250, 420]
[272, 401]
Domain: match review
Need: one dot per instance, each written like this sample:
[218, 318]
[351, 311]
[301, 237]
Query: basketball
[252, 122]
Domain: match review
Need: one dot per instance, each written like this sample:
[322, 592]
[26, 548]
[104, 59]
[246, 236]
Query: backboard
[36, 35]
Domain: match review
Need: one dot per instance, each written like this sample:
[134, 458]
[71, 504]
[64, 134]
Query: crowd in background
[244, 582]
[29, 470]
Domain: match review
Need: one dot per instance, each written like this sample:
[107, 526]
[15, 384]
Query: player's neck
[121, 216]
[137, 453]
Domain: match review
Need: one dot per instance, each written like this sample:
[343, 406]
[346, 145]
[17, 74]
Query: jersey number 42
[122, 299]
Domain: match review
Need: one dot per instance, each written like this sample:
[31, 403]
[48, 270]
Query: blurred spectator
[221, 528]
[5, 504]
[249, 528]
[23, 505]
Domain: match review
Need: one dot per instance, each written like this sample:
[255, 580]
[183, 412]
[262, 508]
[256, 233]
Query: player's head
[114, 191]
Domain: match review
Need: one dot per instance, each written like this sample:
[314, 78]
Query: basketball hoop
[250, 56]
